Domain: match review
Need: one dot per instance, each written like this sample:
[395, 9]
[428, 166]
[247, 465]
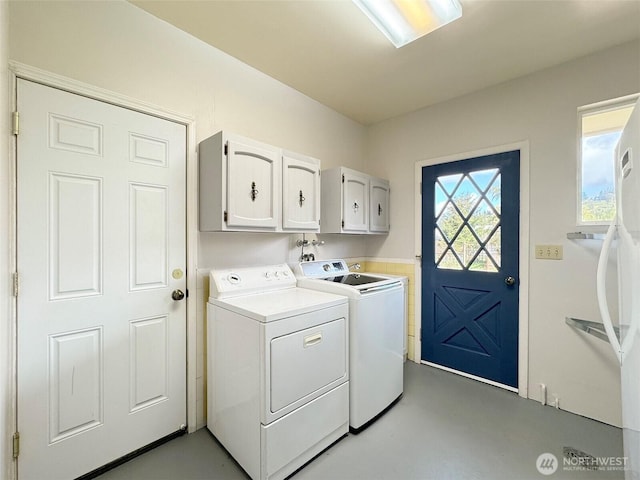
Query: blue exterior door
[470, 237]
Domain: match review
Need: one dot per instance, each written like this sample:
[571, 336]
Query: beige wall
[540, 108]
[117, 46]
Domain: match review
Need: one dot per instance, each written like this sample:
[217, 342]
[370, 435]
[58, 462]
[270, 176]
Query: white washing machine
[376, 333]
[277, 369]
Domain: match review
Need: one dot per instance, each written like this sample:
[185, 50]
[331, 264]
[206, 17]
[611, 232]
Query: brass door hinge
[15, 123]
[15, 281]
[16, 445]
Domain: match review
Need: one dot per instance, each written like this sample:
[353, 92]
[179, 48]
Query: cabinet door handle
[379, 210]
[254, 191]
[355, 206]
[301, 199]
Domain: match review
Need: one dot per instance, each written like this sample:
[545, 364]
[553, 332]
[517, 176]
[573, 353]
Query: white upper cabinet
[247, 185]
[379, 205]
[354, 202]
[252, 185]
[239, 184]
[300, 193]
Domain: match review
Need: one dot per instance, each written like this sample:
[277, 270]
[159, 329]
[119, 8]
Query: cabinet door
[252, 185]
[354, 202]
[301, 193]
[379, 205]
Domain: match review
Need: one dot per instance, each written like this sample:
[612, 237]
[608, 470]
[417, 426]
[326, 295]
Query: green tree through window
[467, 232]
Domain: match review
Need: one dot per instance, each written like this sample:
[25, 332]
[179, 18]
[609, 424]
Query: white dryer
[277, 369]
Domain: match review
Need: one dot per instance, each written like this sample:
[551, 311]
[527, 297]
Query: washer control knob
[267, 274]
[326, 267]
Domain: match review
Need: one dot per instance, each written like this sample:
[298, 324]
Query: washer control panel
[324, 268]
[247, 280]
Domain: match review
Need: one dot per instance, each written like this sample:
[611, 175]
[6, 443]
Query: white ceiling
[328, 50]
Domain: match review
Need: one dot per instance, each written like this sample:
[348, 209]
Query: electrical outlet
[549, 252]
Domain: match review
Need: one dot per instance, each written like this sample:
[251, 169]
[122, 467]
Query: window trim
[598, 107]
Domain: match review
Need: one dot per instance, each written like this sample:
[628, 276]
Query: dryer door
[304, 362]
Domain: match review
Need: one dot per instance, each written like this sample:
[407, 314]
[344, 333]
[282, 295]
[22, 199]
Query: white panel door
[101, 248]
[378, 205]
[301, 193]
[354, 202]
[253, 183]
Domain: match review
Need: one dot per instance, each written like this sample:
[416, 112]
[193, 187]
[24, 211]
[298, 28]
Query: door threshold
[473, 377]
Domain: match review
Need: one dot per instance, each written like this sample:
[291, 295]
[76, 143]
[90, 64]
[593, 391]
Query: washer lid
[279, 304]
[354, 279]
[383, 282]
[337, 271]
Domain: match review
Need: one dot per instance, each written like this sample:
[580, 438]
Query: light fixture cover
[403, 21]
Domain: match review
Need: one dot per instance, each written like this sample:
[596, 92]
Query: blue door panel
[470, 318]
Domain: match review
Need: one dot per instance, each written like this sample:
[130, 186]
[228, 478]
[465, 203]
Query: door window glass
[467, 218]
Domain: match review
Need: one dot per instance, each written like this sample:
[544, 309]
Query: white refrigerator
[625, 230]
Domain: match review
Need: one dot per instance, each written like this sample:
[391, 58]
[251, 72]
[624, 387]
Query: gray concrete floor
[444, 427]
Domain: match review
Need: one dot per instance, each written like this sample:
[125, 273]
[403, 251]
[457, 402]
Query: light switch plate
[549, 252]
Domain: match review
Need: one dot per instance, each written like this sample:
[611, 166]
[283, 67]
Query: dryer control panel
[225, 283]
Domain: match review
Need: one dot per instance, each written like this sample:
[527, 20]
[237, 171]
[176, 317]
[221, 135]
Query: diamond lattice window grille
[467, 216]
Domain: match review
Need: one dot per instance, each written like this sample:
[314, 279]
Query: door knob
[510, 281]
[177, 295]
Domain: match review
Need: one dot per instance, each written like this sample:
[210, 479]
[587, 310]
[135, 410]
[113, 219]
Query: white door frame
[19, 70]
[523, 297]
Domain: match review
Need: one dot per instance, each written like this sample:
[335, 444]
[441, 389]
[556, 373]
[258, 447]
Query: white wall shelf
[585, 236]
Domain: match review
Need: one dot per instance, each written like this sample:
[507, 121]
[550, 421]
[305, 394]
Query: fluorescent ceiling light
[403, 21]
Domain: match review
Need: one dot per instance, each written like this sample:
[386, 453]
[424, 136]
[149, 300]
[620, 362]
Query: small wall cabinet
[354, 202]
[378, 205]
[246, 185]
[300, 192]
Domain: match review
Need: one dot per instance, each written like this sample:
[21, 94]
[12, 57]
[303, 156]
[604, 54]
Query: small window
[600, 129]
